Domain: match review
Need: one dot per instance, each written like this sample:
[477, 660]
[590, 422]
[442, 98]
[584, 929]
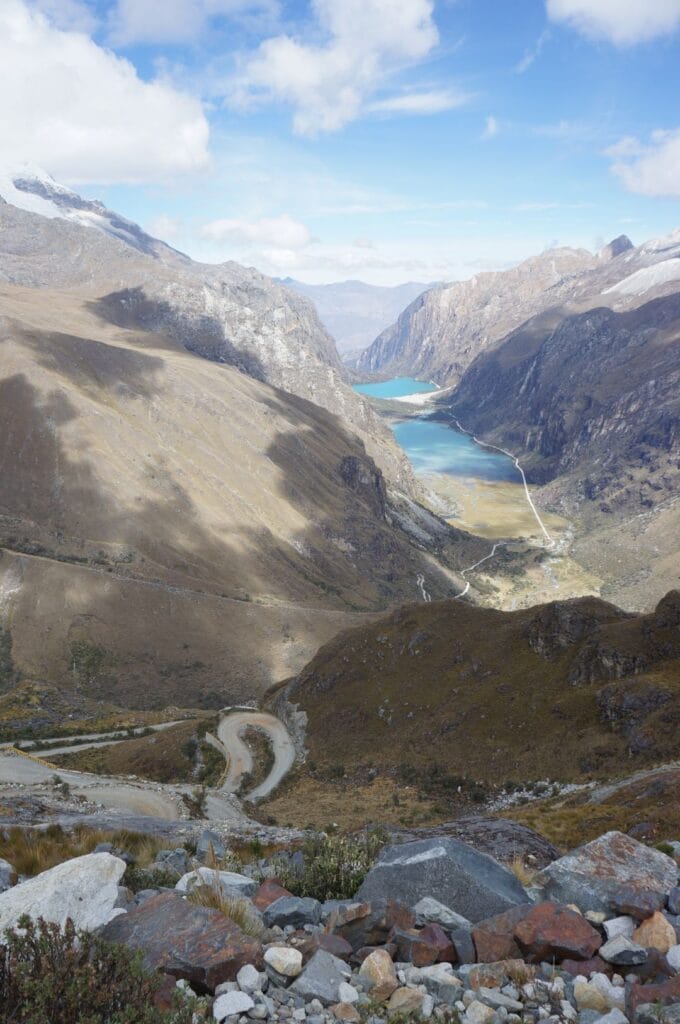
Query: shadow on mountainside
[118, 549]
[204, 335]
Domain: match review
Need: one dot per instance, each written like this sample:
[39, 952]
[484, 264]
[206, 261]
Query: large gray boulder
[612, 874]
[84, 889]
[468, 882]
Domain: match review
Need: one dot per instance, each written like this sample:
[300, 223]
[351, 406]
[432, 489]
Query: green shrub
[55, 975]
[334, 866]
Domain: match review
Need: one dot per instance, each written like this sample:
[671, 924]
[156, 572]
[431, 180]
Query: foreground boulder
[612, 874]
[84, 889]
[186, 940]
[470, 883]
[552, 932]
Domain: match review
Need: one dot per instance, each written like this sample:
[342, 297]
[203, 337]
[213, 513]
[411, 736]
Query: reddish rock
[665, 993]
[413, 948]
[185, 940]
[497, 975]
[269, 891]
[345, 913]
[550, 932]
[334, 944]
[494, 938]
[596, 965]
[435, 935]
[373, 927]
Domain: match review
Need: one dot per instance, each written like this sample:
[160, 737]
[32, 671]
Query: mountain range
[192, 497]
[354, 312]
[571, 361]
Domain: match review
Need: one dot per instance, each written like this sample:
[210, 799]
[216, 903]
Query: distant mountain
[571, 361]
[442, 331]
[353, 312]
[50, 237]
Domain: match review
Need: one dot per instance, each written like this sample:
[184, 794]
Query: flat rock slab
[615, 874]
[186, 940]
[470, 883]
[230, 883]
[84, 889]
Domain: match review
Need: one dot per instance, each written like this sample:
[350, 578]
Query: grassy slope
[461, 687]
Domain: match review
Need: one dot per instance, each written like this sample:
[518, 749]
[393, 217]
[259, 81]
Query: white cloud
[173, 21]
[652, 169]
[164, 227]
[433, 102]
[281, 233]
[491, 128]
[67, 14]
[532, 54]
[622, 22]
[328, 84]
[84, 113]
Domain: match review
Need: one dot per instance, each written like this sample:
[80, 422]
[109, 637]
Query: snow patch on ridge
[649, 277]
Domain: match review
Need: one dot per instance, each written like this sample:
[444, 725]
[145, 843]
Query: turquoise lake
[434, 447]
[395, 388]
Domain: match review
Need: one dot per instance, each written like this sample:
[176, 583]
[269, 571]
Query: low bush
[55, 975]
[334, 866]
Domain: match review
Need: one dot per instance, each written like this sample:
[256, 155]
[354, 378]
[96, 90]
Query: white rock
[230, 1004]
[673, 957]
[614, 996]
[427, 1009]
[429, 910]
[230, 882]
[284, 960]
[620, 926]
[478, 1013]
[347, 993]
[84, 889]
[249, 979]
[613, 1017]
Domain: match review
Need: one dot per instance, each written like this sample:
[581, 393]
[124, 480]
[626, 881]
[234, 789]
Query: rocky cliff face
[443, 330]
[226, 313]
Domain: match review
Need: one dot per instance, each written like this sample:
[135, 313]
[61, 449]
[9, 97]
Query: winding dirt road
[239, 757]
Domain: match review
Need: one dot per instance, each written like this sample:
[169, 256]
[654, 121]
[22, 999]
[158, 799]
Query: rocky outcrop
[614, 874]
[440, 334]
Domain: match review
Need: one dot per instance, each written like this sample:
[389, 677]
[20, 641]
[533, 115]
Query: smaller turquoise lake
[435, 447]
[395, 388]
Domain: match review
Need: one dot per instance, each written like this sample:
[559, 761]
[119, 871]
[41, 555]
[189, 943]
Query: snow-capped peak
[29, 187]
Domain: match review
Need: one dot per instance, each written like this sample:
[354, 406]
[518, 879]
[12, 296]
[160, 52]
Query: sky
[380, 140]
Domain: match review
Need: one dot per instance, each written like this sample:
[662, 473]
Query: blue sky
[386, 140]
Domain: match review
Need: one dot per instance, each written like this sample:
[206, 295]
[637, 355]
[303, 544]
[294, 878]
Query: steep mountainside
[355, 312]
[226, 313]
[441, 332]
[567, 691]
[172, 530]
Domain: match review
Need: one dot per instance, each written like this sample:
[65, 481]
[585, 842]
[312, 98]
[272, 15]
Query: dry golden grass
[304, 801]
[31, 851]
[651, 804]
[522, 871]
[237, 910]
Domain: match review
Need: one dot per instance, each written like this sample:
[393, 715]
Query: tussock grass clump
[334, 866]
[66, 977]
[31, 851]
[523, 872]
[237, 910]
